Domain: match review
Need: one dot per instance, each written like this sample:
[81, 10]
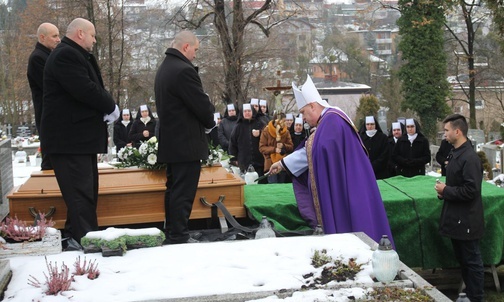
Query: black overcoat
[226, 127]
[135, 134]
[391, 165]
[411, 158]
[244, 145]
[74, 103]
[121, 133]
[378, 151]
[184, 110]
[462, 214]
[442, 154]
[35, 74]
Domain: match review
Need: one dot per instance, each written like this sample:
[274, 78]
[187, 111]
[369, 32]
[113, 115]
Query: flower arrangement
[143, 157]
[146, 156]
[34, 139]
[18, 231]
[18, 141]
[216, 154]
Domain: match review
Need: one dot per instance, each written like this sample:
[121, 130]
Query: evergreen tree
[497, 10]
[368, 105]
[423, 72]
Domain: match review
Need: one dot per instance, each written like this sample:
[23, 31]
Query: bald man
[184, 112]
[76, 111]
[48, 39]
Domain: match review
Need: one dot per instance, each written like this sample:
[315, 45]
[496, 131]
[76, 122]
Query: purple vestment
[347, 191]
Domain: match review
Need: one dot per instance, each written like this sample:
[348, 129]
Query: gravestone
[50, 244]
[382, 120]
[9, 130]
[23, 131]
[6, 178]
[476, 135]
[494, 155]
[494, 135]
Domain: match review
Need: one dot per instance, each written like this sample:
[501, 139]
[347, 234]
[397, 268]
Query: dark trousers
[279, 178]
[467, 253]
[46, 162]
[77, 176]
[181, 186]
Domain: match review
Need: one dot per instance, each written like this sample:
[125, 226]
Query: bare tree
[111, 26]
[231, 25]
[18, 40]
[473, 17]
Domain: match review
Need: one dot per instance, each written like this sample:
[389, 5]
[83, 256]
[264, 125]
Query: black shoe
[196, 235]
[69, 244]
[190, 240]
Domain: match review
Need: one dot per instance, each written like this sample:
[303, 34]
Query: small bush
[397, 294]
[118, 243]
[332, 270]
[90, 268]
[56, 281]
[320, 258]
[145, 240]
[18, 230]
[86, 242]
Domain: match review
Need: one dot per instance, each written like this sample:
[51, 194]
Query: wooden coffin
[126, 196]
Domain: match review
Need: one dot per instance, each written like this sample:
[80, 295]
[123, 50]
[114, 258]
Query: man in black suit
[48, 39]
[185, 116]
[75, 114]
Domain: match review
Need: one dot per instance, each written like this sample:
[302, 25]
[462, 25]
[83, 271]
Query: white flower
[152, 159]
[143, 149]
[120, 153]
[144, 157]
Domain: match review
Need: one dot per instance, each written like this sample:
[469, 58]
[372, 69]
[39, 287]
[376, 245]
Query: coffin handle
[35, 213]
[206, 203]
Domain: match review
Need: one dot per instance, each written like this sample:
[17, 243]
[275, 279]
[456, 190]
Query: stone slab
[49, 245]
[410, 279]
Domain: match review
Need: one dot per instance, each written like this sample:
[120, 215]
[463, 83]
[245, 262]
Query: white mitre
[307, 93]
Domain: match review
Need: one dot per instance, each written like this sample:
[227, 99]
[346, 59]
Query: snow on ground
[22, 171]
[200, 269]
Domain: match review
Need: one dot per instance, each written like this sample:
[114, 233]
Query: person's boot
[70, 244]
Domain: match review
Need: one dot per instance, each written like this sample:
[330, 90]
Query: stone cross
[9, 130]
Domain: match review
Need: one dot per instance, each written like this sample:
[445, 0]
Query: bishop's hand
[276, 168]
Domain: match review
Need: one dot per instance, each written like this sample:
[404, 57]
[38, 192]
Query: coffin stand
[127, 196]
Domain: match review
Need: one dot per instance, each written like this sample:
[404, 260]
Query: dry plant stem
[56, 281]
[91, 269]
[18, 230]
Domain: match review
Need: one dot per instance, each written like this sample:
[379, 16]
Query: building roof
[339, 87]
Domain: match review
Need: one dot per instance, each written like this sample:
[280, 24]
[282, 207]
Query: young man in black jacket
[462, 214]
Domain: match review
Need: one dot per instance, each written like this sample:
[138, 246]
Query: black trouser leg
[468, 255]
[46, 162]
[181, 186]
[77, 177]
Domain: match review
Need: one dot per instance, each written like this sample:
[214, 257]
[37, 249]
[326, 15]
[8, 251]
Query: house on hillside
[337, 93]
[326, 65]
